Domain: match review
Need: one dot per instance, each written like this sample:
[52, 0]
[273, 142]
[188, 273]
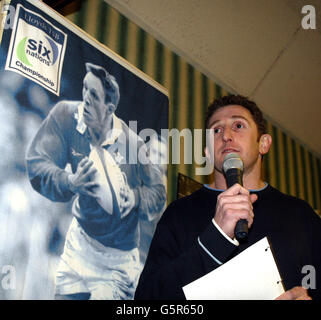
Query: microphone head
[232, 160]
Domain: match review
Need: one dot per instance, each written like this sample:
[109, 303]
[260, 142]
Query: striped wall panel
[288, 166]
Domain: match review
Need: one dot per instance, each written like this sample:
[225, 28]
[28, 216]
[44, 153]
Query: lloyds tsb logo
[45, 51]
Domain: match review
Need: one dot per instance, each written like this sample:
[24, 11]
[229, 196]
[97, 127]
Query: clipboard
[251, 275]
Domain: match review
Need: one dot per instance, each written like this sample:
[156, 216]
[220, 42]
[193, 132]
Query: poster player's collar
[111, 136]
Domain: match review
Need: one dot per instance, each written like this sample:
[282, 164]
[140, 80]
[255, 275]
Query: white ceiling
[252, 47]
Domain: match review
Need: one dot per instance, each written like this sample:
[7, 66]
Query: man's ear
[111, 108]
[207, 154]
[265, 143]
[209, 146]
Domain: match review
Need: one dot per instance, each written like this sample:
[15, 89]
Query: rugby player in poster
[110, 187]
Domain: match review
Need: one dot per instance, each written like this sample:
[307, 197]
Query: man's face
[95, 109]
[235, 131]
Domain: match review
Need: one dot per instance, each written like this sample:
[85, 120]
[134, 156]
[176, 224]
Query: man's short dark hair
[240, 101]
[108, 81]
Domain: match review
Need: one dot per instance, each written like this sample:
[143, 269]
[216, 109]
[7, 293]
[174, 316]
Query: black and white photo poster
[83, 175]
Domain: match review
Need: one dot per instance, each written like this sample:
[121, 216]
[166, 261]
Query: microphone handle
[241, 230]
[234, 175]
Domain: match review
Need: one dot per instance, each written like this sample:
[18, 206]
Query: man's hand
[81, 180]
[296, 293]
[232, 205]
[127, 200]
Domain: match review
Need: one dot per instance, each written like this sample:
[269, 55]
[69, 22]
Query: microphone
[233, 169]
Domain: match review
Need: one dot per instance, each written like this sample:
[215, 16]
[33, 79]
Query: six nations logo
[36, 49]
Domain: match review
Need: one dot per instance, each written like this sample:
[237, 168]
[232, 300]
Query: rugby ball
[109, 179]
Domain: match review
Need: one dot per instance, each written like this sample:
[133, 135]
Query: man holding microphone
[196, 234]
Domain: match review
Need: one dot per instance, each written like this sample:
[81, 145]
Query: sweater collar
[251, 190]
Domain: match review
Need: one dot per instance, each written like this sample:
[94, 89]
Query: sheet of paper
[251, 275]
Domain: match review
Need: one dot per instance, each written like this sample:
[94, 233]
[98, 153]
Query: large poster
[83, 180]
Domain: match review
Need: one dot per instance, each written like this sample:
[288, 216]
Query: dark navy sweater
[176, 257]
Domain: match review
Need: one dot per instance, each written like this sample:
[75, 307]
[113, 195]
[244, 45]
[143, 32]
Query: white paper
[251, 275]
